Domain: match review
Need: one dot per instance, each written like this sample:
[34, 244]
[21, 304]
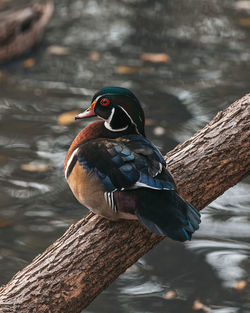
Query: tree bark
[94, 252]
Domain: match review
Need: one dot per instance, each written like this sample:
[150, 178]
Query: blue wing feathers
[138, 142]
[117, 159]
[118, 148]
[154, 183]
[126, 168]
[126, 152]
[128, 158]
[193, 215]
[122, 164]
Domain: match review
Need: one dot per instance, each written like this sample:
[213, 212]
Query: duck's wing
[127, 163]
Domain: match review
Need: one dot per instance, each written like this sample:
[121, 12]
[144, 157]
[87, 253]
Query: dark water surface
[209, 46]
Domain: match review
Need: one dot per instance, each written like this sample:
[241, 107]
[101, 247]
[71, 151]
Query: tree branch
[95, 251]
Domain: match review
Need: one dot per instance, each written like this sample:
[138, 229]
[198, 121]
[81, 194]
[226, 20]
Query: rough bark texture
[216, 157]
[95, 251]
[21, 29]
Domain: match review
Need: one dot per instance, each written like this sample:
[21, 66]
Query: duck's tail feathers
[176, 219]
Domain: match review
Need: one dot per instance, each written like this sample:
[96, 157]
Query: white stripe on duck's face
[118, 117]
[108, 122]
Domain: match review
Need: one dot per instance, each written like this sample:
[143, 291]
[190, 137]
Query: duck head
[118, 107]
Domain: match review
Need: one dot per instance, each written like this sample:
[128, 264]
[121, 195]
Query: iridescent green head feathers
[119, 107]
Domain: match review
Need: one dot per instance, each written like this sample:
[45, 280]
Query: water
[208, 43]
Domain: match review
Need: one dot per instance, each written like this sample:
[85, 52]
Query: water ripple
[225, 257]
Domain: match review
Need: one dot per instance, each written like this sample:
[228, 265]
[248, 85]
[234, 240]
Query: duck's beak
[87, 113]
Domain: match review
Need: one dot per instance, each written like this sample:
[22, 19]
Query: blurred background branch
[21, 29]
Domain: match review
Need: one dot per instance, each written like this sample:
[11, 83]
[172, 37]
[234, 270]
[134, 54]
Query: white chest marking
[70, 161]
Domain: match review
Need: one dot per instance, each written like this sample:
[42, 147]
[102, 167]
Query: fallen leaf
[171, 294]
[67, 118]
[240, 285]
[2, 77]
[126, 69]
[242, 5]
[155, 57]
[94, 56]
[3, 159]
[149, 122]
[29, 63]
[245, 22]
[35, 167]
[5, 223]
[197, 305]
[58, 50]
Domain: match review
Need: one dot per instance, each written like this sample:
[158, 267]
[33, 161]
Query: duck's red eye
[105, 102]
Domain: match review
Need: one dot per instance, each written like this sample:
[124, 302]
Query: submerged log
[23, 28]
[95, 251]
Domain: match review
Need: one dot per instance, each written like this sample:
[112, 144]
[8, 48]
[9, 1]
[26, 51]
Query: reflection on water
[225, 257]
[208, 46]
[228, 216]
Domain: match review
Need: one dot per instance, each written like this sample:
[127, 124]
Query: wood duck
[116, 172]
